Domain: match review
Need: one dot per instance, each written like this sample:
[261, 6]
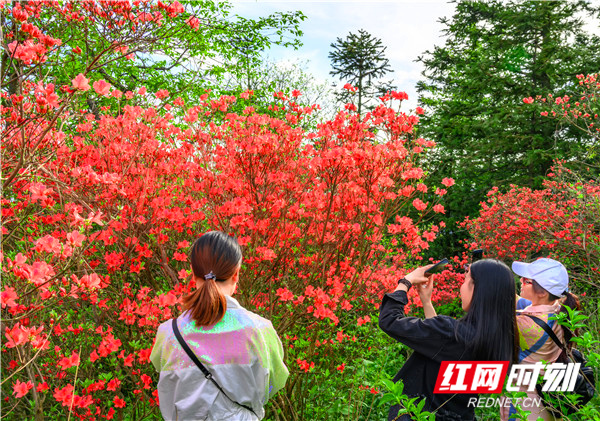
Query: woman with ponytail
[545, 284]
[217, 361]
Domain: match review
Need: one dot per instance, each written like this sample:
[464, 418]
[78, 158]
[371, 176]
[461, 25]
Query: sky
[407, 28]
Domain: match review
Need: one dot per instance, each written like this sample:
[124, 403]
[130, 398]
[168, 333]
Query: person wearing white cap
[549, 274]
[545, 283]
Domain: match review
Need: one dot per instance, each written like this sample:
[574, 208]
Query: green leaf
[388, 397]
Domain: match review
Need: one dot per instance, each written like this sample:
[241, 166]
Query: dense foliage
[99, 207]
[107, 181]
[496, 53]
[187, 47]
[561, 221]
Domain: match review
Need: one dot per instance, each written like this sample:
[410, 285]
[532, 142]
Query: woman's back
[243, 353]
[534, 342]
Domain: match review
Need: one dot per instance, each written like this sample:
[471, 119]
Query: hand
[425, 290]
[418, 275]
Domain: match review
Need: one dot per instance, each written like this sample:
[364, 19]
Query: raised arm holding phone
[487, 332]
[424, 285]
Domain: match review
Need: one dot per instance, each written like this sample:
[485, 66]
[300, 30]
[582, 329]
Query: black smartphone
[438, 267]
[476, 255]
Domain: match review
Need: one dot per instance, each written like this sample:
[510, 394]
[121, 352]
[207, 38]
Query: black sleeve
[426, 336]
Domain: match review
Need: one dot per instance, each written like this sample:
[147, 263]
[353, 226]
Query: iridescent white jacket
[244, 355]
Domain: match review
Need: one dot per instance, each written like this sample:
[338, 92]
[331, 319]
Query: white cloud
[407, 29]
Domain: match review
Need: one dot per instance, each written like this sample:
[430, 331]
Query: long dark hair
[218, 254]
[490, 326]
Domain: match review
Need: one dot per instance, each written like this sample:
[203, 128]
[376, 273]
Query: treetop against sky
[407, 28]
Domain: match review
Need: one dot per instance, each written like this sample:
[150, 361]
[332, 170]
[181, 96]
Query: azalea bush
[579, 111]
[100, 204]
[560, 221]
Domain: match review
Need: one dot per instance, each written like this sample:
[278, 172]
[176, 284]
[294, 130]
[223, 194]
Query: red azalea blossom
[42, 387]
[20, 389]
[101, 87]
[113, 384]
[71, 361]
[64, 395]
[304, 365]
[448, 182]
[439, 208]
[8, 297]
[284, 294]
[81, 82]
[163, 93]
[419, 205]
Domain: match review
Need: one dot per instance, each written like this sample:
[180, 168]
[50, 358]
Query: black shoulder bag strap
[548, 330]
[206, 373]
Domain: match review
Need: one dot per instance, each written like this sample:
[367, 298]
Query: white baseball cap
[548, 273]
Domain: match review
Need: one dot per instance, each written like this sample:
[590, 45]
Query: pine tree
[360, 60]
[496, 54]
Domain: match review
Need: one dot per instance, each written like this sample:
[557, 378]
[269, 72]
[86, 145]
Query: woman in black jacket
[486, 333]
